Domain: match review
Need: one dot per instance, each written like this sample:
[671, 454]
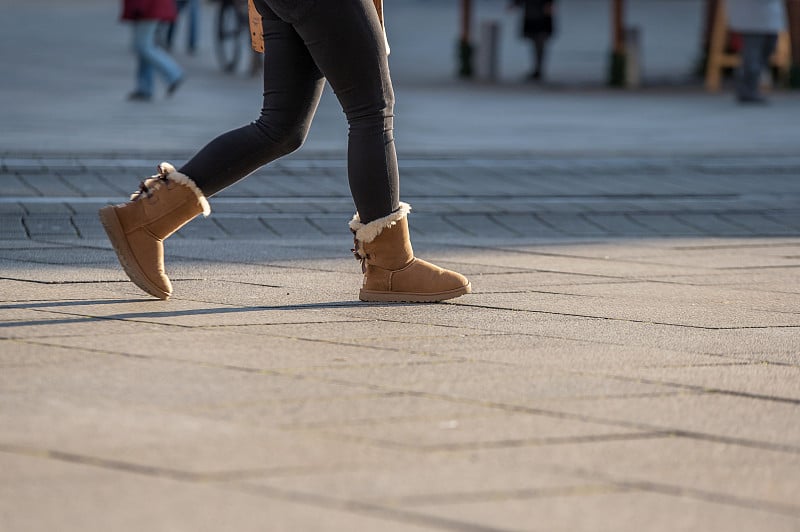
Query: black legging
[307, 42]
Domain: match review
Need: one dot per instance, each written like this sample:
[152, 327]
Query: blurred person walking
[192, 28]
[145, 16]
[307, 42]
[758, 22]
[538, 26]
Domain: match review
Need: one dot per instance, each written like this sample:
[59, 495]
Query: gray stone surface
[628, 359]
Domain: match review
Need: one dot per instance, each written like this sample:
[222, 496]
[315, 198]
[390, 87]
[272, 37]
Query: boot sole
[411, 297]
[108, 217]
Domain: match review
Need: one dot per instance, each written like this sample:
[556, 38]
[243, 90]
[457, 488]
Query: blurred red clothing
[149, 10]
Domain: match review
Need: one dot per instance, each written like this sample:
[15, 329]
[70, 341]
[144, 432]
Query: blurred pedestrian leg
[759, 22]
[192, 28]
[145, 17]
[757, 48]
[538, 26]
[152, 59]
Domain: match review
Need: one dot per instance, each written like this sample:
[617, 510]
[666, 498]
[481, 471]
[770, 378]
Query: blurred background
[70, 68]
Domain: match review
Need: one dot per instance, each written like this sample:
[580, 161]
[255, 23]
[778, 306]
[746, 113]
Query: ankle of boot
[367, 232]
[182, 179]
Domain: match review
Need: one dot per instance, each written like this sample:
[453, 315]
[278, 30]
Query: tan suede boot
[391, 272]
[164, 203]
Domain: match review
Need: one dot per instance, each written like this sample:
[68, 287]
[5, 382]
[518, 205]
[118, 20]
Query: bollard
[488, 50]
[633, 63]
[464, 54]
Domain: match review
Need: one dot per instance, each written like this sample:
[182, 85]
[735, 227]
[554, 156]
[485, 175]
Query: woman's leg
[539, 44]
[768, 45]
[347, 42]
[749, 74]
[194, 25]
[292, 88]
[149, 52]
[144, 70]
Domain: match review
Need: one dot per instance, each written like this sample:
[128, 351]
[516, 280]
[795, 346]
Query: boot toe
[139, 254]
[420, 281]
[432, 278]
[146, 265]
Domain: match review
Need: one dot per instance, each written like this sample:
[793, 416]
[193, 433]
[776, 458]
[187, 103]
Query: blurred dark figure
[758, 22]
[537, 25]
[145, 16]
[193, 25]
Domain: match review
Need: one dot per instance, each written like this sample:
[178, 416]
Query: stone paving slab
[691, 312]
[362, 404]
[727, 417]
[749, 379]
[457, 436]
[638, 510]
[467, 480]
[147, 502]
[583, 204]
[734, 466]
[726, 340]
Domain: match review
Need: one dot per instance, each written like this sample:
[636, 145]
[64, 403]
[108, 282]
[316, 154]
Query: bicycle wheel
[229, 36]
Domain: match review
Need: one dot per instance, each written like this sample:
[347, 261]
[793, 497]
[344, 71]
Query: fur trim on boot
[167, 172]
[391, 271]
[366, 233]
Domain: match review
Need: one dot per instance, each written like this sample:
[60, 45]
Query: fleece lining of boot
[368, 232]
[185, 180]
[169, 171]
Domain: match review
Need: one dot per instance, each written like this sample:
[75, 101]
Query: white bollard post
[488, 50]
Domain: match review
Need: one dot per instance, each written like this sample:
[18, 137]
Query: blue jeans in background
[193, 26]
[757, 48]
[152, 59]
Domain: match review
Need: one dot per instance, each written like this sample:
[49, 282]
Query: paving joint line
[494, 218]
[682, 491]
[695, 388]
[429, 499]
[171, 473]
[755, 444]
[626, 320]
[370, 509]
[493, 445]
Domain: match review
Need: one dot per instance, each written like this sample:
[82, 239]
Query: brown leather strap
[256, 32]
[379, 9]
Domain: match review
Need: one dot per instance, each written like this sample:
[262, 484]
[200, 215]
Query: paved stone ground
[629, 359]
